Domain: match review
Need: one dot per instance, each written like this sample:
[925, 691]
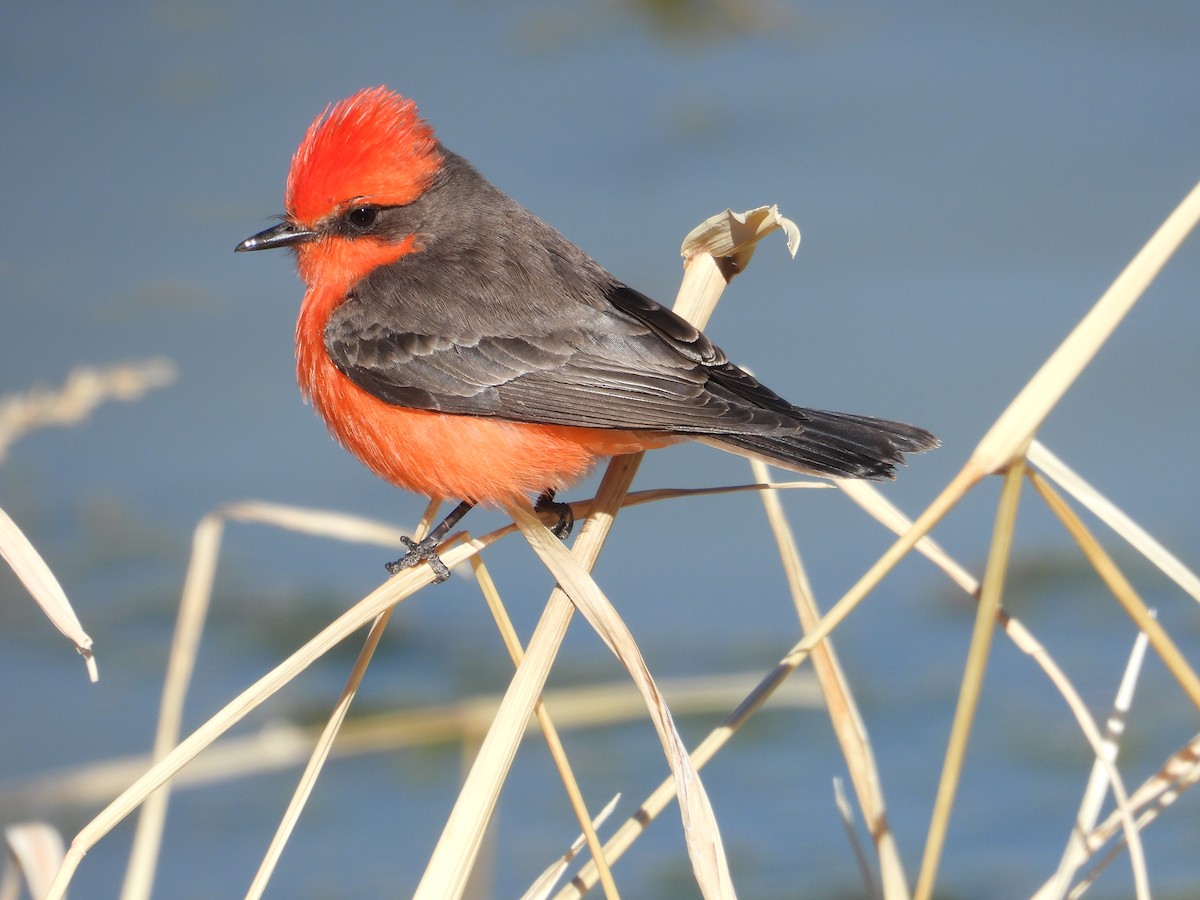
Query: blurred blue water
[967, 182]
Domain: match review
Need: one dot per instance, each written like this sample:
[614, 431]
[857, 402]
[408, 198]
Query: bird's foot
[419, 552]
[566, 516]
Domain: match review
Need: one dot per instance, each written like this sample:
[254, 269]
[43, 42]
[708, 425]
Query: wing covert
[607, 370]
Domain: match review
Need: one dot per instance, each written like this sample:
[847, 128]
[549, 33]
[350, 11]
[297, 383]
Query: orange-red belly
[464, 457]
[438, 455]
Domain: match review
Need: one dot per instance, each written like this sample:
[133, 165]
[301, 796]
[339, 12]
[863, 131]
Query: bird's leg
[566, 516]
[426, 550]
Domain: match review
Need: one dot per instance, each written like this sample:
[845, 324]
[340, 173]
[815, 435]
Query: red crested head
[372, 147]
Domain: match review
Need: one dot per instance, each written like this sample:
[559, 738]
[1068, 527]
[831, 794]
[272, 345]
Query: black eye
[362, 216]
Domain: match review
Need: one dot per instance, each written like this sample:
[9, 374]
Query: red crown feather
[370, 147]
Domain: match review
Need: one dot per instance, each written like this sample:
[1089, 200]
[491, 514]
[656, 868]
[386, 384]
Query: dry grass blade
[85, 389]
[1076, 851]
[869, 497]
[317, 760]
[1120, 587]
[181, 661]
[316, 522]
[450, 864]
[280, 745]
[193, 610]
[1010, 434]
[393, 591]
[658, 800]
[846, 812]
[324, 745]
[1178, 774]
[1100, 506]
[941, 505]
[711, 745]
[557, 752]
[36, 849]
[33, 572]
[699, 822]
[847, 722]
[990, 595]
[542, 887]
[871, 500]
[732, 237]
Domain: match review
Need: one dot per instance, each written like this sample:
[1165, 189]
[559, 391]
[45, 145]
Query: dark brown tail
[835, 444]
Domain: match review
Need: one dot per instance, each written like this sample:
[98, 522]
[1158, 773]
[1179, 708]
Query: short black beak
[285, 234]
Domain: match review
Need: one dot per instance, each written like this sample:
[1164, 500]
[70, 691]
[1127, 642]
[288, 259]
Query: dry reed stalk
[193, 611]
[699, 821]
[1006, 442]
[848, 725]
[1002, 444]
[1179, 773]
[544, 884]
[86, 388]
[558, 753]
[333, 726]
[453, 857]
[873, 502]
[1107, 512]
[1123, 591]
[196, 596]
[391, 592]
[1076, 853]
[990, 593]
[1012, 432]
[33, 572]
[181, 662]
[846, 811]
[280, 745]
[35, 851]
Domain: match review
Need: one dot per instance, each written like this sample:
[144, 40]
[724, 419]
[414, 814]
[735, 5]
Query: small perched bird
[464, 349]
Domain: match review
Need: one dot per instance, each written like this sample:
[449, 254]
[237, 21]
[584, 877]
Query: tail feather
[834, 444]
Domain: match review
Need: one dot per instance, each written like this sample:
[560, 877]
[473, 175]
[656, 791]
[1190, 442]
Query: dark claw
[566, 516]
[419, 552]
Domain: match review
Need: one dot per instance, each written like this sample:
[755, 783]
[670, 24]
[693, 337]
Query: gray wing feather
[499, 315]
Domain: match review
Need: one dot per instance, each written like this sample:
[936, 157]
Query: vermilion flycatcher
[464, 349]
